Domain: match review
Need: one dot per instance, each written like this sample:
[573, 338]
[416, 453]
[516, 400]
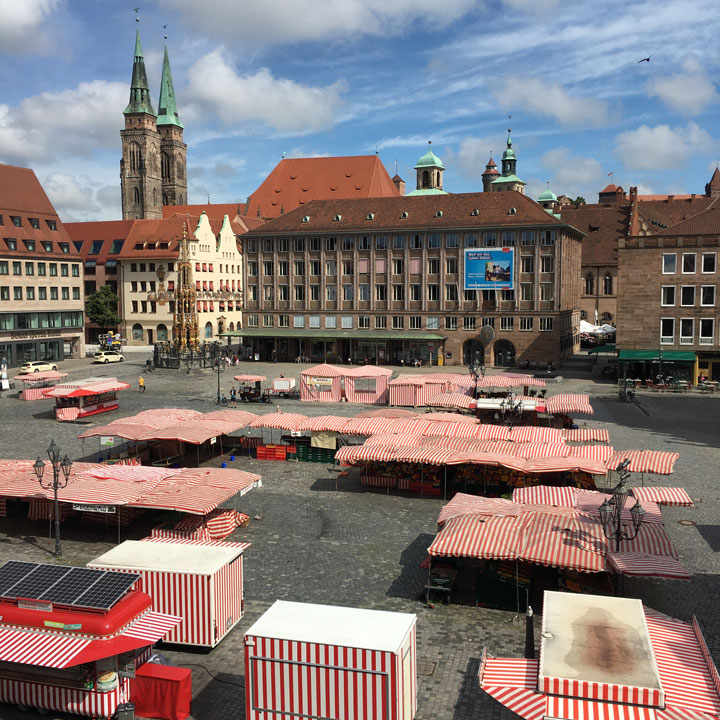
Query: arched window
[426, 179]
[154, 196]
[437, 179]
[137, 196]
[608, 284]
[180, 200]
[162, 333]
[165, 166]
[208, 330]
[589, 284]
[135, 157]
[137, 332]
[231, 327]
[179, 170]
[165, 199]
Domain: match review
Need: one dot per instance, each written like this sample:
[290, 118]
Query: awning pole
[445, 490]
[197, 449]
[422, 475]
[117, 510]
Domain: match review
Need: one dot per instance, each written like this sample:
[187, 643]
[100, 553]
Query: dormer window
[404, 215]
[306, 219]
[439, 214]
[475, 212]
[337, 218]
[370, 216]
[512, 211]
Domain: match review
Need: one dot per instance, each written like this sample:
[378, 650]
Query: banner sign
[106, 509]
[489, 269]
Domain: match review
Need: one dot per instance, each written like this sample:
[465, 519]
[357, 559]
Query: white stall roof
[598, 639]
[168, 557]
[333, 625]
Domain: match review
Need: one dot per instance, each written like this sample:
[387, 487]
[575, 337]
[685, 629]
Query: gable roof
[86, 233]
[423, 211]
[662, 214]
[603, 226]
[704, 223]
[213, 210]
[296, 181]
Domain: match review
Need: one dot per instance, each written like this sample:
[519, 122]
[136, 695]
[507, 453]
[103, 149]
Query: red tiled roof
[609, 189]
[704, 223]
[22, 195]
[106, 231]
[603, 226]
[297, 181]
[213, 210]
[423, 211]
[653, 198]
[665, 213]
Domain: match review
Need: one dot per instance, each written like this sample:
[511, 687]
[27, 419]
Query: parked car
[108, 356]
[37, 366]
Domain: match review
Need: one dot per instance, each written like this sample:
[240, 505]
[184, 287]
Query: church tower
[508, 180]
[140, 180]
[173, 151]
[429, 169]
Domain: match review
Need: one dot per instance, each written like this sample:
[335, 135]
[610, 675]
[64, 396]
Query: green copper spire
[167, 107]
[139, 90]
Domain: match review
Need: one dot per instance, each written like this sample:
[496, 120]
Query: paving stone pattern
[362, 548]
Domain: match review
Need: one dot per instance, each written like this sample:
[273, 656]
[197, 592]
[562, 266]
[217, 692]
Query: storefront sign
[39, 333]
[326, 381]
[213, 440]
[34, 605]
[489, 269]
[107, 509]
[108, 440]
[61, 626]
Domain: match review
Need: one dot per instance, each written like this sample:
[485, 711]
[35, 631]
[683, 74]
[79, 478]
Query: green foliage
[579, 200]
[101, 308]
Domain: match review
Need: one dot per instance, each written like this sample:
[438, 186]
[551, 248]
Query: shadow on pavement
[410, 584]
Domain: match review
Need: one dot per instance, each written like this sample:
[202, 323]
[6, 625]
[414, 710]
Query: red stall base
[161, 691]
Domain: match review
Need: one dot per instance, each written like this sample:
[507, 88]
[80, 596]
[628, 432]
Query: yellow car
[108, 356]
[37, 366]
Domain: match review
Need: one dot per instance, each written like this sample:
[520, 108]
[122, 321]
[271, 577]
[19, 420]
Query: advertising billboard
[489, 268]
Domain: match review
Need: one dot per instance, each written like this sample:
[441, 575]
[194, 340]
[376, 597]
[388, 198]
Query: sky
[312, 78]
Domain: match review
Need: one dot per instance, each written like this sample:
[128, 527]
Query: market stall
[83, 398]
[70, 638]
[35, 384]
[367, 384]
[322, 383]
[665, 669]
[364, 661]
[200, 581]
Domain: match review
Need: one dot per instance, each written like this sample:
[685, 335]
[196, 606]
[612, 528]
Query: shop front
[648, 364]
[49, 336]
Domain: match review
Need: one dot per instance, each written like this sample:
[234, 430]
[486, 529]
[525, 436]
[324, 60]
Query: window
[608, 284]
[268, 321]
[299, 321]
[364, 292]
[17, 293]
[546, 324]
[688, 263]
[381, 242]
[527, 264]
[268, 293]
[315, 268]
[471, 240]
[252, 268]
[398, 266]
[547, 291]
[380, 265]
[315, 293]
[507, 323]
[30, 245]
[415, 322]
[415, 266]
[284, 292]
[432, 323]
[330, 268]
[283, 268]
[398, 292]
[348, 292]
[469, 323]
[709, 262]
[331, 293]
[251, 245]
[398, 322]
[54, 294]
[348, 267]
[415, 242]
[508, 238]
[687, 331]
[381, 293]
[489, 239]
[253, 292]
[669, 263]
[65, 248]
[116, 246]
[42, 293]
[96, 247]
[451, 292]
[252, 320]
[707, 331]
[380, 322]
[53, 269]
[331, 321]
[547, 237]
[283, 321]
[4, 292]
[451, 323]
[65, 293]
[330, 244]
[528, 237]
[16, 220]
[30, 293]
[346, 322]
[299, 268]
[268, 268]
[707, 295]
[75, 270]
[667, 295]
[363, 243]
[12, 244]
[17, 268]
[76, 294]
[451, 240]
[268, 244]
[589, 284]
[527, 292]
[299, 244]
[434, 241]
[314, 321]
[451, 265]
[41, 269]
[687, 295]
[433, 266]
[398, 242]
[526, 323]
[134, 305]
[416, 292]
[547, 263]
[364, 322]
[508, 295]
[4, 267]
[433, 293]
[283, 245]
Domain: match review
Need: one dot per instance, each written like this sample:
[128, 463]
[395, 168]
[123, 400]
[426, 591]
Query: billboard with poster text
[489, 268]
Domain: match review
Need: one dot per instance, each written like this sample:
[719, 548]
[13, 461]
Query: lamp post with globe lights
[611, 511]
[60, 477]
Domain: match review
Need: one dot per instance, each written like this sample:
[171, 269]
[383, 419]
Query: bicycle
[222, 400]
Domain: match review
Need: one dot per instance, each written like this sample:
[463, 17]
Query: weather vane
[165, 28]
[137, 12]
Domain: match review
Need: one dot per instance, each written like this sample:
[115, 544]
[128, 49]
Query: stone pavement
[363, 548]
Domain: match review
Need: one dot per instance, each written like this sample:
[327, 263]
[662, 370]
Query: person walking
[233, 397]
[141, 384]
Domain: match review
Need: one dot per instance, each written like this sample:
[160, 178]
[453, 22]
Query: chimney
[399, 184]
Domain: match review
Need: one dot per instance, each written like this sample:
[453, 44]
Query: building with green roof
[429, 169]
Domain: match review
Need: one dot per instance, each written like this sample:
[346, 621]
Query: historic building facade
[153, 168]
[41, 282]
[384, 279]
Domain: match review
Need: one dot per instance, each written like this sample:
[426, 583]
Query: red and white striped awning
[45, 649]
[41, 376]
[645, 461]
[586, 435]
[644, 565]
[663, 496]
[545, 495]
[323, 370]
[456, 429]
[400, 439]
[569, 403]
[83, 388]
[600, 453]
[387, 413]
[249, 378]
[326, 423]
[529, 433]
[450, 417]
[450, 399]
[369, 425]
[280, 421]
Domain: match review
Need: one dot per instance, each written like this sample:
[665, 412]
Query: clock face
[487, 334]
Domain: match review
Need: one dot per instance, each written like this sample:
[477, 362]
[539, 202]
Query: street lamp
[477, 371]
[611, 511]
[59, 468]
[660, 362]
[511, 409]
[219, 367]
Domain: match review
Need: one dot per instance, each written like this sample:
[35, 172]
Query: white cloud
[662, 147]
[291, 21]
[80, 197]
[283, 105]
[74, 122]
[531, 6]
[539, 97]
[65, 192]
[24, 24]
[688, 92]
[573, 174]
[473, 154]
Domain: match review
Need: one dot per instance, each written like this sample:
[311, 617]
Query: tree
[101, 308]
[579, 200]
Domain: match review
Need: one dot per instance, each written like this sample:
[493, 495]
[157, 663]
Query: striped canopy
[586, 435]
[280, 421]
[84, 388]
[326, 423]
[575, 404]
[323, 370]
[663, 496]
[644, 565]
[645, 461]
[249, 378]
[450, 399]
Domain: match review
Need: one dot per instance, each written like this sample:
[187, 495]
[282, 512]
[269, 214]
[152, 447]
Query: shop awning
[83, 388]
[450, 399]
[645, 565]
[575, 403]
[46, 649]
[645, 461]
[609, 348]
[678, 356]
[249, 378]
[586, 435]
[545, 495]
[663, 496]
[280, 421]
[359, 335]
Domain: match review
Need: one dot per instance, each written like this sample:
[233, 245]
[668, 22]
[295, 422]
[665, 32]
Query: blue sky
[347, 77]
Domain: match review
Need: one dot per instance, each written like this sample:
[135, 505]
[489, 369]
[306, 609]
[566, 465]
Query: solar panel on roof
[68, 589]
[12, 572]
[37, 581]
[107, 591]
